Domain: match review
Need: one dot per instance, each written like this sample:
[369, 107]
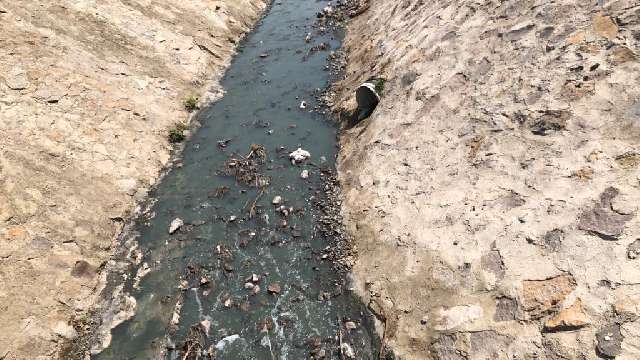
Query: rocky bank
[88, 93]
[493, 195]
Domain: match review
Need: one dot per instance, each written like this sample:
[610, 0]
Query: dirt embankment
[88, 91]
[493, 195]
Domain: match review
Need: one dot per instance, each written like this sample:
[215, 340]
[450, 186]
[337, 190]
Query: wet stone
[274, 288]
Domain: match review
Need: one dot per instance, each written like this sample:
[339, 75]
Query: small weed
[176, 135]
[379, 85]
[191, 103]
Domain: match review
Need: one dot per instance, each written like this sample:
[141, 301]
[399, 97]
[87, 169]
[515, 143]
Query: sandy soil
[493, 195]
[88, 91]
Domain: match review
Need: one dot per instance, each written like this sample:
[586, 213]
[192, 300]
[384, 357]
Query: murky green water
[261, 106]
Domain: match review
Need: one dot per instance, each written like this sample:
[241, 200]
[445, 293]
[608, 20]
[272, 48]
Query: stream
[245, 278]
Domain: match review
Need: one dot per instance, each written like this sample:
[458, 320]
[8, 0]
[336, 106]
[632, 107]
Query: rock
[553, 239]
[249, 285]
[350, 325]
[550, 121]
[542, 296]
[83, 269]
[299, 156]
[601, 220]
[304, 174]
[605, 27]
[18, 80]
[65, 330]
[633, 250]
[277, 200]
[609, 341]
[256, 290]
[492, 262]
[570, 318]
[620, 54]
[367, 99]
[506, 309]
[274, 288]
[457, 316]
[205, 325]
[303, 105]
[175, 225]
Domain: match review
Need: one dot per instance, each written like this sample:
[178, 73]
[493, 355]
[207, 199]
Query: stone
[304, 174]
[609, 341]
[553, 239]
[175, 225]
[620, 54]
[350, 325]
[539, 297]
[570, 318]
[65, 330]
[458, 316]
[274, 288]
[601, 220]
[633, 250]
[18, 80]
[605, 27]
[506, 309]
[83, 269]
[277, 200]
[492, 262]
[550, 121]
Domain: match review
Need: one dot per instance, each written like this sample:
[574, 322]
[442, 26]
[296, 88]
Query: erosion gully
[200, 298]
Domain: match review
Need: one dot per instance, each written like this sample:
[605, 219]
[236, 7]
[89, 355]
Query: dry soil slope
[493, 195]
[88, 90]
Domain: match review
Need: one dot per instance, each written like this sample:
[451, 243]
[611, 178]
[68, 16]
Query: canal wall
[492, 196]
[88, 94]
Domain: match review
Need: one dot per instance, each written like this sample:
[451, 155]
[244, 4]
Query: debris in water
[299, 156]
[227, 340]
[205, 325]
[347, 350]
[142, 272]
[274, 288]
[176, 224]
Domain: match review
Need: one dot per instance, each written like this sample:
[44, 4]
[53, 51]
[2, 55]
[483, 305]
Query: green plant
[176, 135]
[191, 103]
[379, 85]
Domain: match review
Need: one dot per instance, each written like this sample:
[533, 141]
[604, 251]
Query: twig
[340, 337]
